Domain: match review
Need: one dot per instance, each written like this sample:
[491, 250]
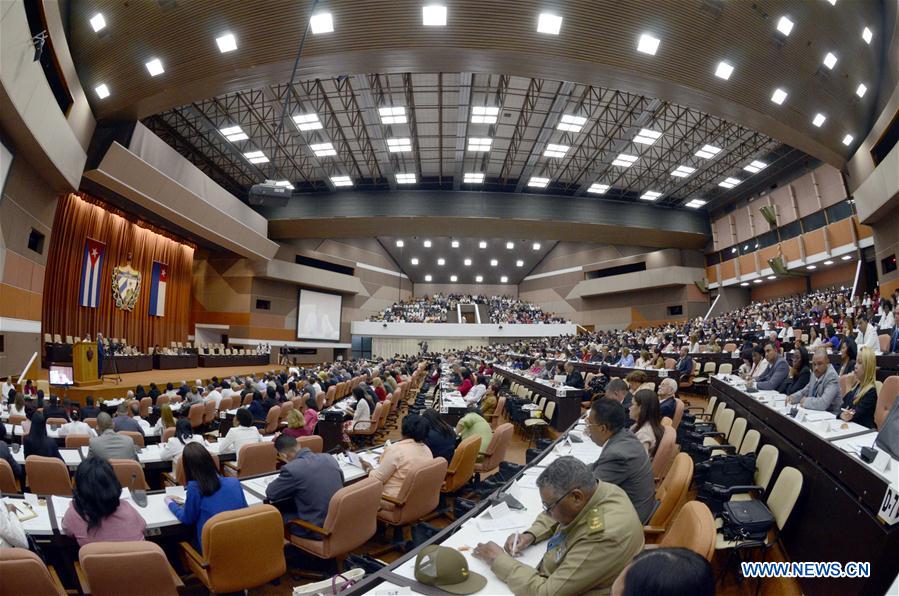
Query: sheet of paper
[499, 511]
[60, 505]
[509, 522]
[176, 491]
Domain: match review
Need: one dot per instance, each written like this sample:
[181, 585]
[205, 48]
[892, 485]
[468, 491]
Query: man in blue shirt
[310, 479]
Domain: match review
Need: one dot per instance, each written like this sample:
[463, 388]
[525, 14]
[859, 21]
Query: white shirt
[12, 534]
[173, 448]
[5, 389]
[144, 425]
[237, 437]
[887, 322]
[869, 338]
[215, 396]
[14, 411]
[475, 394]
[76, 428]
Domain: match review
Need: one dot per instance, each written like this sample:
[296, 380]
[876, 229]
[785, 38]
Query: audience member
[666, 572]
[108, 444]
[89, 411]
[36, 442]
[54, 410]
[96, 512]
[441, 438]
[474, 424]
[823, 389]
[243, 434]
[124, 421]
[648, 424]
[799, 372]
[860, 401]
[76, 427]
[399, 459]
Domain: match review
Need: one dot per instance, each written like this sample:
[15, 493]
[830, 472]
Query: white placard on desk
[889, 507]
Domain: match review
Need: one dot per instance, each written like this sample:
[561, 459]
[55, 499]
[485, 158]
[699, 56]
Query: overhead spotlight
[549, 23]
[102, 91]
[536, 246]
[482, 244]
[400, 244]
[454, 278]
[428, 278]
[778, 96]
[433, 15]
[98, 22]
[785, 25]
[510, 245]
[426, 244]
[321, 22]
[479, 278]
[647, 44]
[467, 262]
[503, 279]
[724, 70]
[226, 43]
[454, 244]
[154, 67]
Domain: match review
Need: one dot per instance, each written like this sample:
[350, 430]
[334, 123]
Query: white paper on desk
[510, 522]
[370, 458]
[31, 498]
[84, 451]
[60, 505]
[816, 415]
[354, 459]
[176, 491]
[499, 511]
[388, 589]
[526, 481]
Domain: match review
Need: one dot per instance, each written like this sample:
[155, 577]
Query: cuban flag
[91, 269]
[158, 277]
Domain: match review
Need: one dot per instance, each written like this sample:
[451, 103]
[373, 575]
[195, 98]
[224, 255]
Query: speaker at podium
[84, 360]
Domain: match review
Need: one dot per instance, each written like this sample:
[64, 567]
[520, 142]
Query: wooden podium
[84, 359]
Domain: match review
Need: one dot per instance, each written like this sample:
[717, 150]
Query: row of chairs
[886, 394]
[56, 338]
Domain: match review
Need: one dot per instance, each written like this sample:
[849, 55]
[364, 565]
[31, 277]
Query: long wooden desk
[568, 405]
[835, 518]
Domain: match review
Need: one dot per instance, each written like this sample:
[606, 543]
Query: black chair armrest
[743, 489]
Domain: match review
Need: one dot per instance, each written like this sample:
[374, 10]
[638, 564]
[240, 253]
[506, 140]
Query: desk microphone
[139, 496]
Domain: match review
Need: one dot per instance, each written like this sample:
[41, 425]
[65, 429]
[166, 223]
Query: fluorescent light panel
[234, 133]
[454, 244]
[538, 182]
[785, 25]
[624, 160]
[650, 195]
[695, 204]
[755, 166]
[226, 43]
[102, 91]
[479, 143]
[473, 178]
[479, 278]
[553, 150]
[510, 245]
[647, 137]
[433, 15]
[861, 89]
[454, 278]
[519, 263]
[321, 22]
[284, 183]
[708, 151]
[426, 244]
[405, 178]
[98, 22]
[307, 121]
[154, 67]
[503, 279]
[847, 140]
[256, 157]
[830, 60]
[867, 35]
[549, 23]
[428, 278]
[341, 181]
[724, 70]
[441, 262]
[482, 244]
[819, 119]
[323, 149]
[393, 115]
[647, 44]
[682, 171]
[779, 96]
[598, 189]
[729, 182]
[536, 246]
[494, 262]
[484, 114]
[414, 260]
[400, 244]
[399, 145]
[467, 262]
[571, 123]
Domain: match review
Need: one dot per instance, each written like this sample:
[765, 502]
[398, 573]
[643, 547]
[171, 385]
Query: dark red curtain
[78, 217]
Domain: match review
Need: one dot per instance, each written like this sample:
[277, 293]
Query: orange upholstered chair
[665, 453]
[47, 476]
[23, 572]
[135, 436]
[8, 482]
[313, 443]
[351, 521]
[886, 399]
[195, 414]
[461, 468]
[56, 421]
[272, 420]
[130, 473]
[76, 441]
[146, 403]
[419, 495]
[693, 528]
[168, 434]
[496, 451]
[242, 549]
[678, 412]
[253, 459]
[104, 565]
[178, 478]
[209, 412]
[671, 492]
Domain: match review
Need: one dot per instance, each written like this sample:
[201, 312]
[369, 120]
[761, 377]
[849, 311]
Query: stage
[109, 389]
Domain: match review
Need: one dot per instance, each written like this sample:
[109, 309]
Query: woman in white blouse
[12, 534]
[887, 320]
[362, 412]
[648, 428]
[18, 406]
[175, 446]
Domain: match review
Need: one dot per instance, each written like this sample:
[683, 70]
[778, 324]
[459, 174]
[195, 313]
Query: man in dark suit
[54, 410]
[89, 411]
[777, 370]
[310, 479]
[573, 378]
[109, 444]
[623, 460]
[684, 366]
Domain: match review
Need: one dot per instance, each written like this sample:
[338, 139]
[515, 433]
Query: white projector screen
[318, 316]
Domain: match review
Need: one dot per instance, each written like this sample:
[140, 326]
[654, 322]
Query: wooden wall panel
[728, 269]
[747, 264]
[840, 233]
[791, 249]
[711, 273]
[814, 241]
[777, 289]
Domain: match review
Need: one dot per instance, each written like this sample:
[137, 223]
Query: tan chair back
[146, 403]
[330, 395]
[168, 434]
[272, 420]
[496, 451]
[243, 549]
[16, 419]
[91, 422]
[56, 421]
[886, 399]
[179, 469]
[420, 492]
[163, 400]
[461, 468]
[314, 443]
[765, 464]
[130, 473]
[23, 572]
[209, 412]
[257, 458]
[76, 441]
[286, 408]
[750, 442]
[195, 414]
[726, 368]
[672, 490]
[144, 564]
[47, 476]
[678, 412]
[8, 482]
[693, 528]
[135, 436]
[225, 404]
[497, 415]
[665, 453]
[351, 521]
[670, 363]
[247, 399]
[784, 495]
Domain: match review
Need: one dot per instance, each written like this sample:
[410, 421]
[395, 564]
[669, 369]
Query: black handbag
[726, 470]
[746, 520]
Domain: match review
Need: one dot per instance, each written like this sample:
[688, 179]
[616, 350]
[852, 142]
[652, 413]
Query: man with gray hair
[592, 529]
[823, 389]
[109, 444]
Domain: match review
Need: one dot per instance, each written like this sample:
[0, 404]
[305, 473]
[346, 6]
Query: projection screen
[318, 316]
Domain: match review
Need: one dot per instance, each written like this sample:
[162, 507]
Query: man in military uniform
[592, 531]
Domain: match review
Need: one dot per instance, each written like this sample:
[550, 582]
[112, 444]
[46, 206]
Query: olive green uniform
[583, 557]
